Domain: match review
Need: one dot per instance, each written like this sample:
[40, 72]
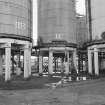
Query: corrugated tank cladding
[56, 20]
[82, 31]
[97, 19]
[16, 19]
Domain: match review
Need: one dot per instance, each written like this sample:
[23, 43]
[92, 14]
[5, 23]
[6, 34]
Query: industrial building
[72, 39]
[67, 42]
[15, 35]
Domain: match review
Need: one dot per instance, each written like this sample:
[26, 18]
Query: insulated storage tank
[56, 21]
[97, 15]
[15, 19]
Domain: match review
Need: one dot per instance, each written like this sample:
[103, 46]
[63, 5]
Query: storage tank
[97, 16]
[15, 19]
[82, 32]
[96, 25]
[56, 21]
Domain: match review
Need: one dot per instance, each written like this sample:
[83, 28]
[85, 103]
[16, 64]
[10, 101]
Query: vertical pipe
[55, 62]
[1, 64]
[89, 17]
[74, 59]
[79, 62]
[8, 63]
[67, 63]
[19, 63]
[12, 63]
[40, 64]
[29, 55]
[26, 62]
[96, 64]
[50, 62]
[89, 62]
[18, 68]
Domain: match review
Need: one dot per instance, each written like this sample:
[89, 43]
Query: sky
[80, 8]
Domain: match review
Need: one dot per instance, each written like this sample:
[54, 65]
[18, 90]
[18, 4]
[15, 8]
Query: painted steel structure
[15, 34]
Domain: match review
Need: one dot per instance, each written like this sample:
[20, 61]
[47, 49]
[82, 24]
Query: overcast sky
[80, 9]
[80, 6]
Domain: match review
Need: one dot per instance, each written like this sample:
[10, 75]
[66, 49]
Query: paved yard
[81, 93]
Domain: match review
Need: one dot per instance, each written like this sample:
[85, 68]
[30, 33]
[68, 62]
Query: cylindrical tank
[96, 18]
[15, 19]
[97, 14]
[81, 30]
[56, 21]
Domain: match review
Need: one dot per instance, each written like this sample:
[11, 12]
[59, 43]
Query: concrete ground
[91, 92]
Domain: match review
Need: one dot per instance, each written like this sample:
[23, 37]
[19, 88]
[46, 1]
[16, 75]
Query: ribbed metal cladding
[97, 18]
[16, 19]
[56, 21]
